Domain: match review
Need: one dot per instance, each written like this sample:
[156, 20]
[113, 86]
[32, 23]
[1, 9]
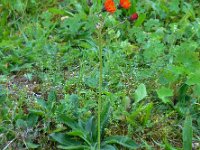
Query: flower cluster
[109, 6]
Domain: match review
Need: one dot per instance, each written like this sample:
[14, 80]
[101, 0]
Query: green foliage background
[49, 68]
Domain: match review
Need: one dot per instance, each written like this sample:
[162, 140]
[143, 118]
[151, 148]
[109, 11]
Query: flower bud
[133, 17]
[90, 3]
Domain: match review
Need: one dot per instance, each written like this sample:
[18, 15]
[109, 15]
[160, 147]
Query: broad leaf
[68, 121]
[82, 134]
[164, 94]
[108, 147]
[64, 139]
[140, 93]
[123, 141]
[193, 79]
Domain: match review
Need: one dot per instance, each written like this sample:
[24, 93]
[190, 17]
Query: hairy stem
[100, 85]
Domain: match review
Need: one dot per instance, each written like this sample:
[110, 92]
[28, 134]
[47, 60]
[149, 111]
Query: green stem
[100, 85]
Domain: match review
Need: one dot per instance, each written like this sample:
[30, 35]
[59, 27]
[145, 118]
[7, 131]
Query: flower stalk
[100, 46]
[109, 6]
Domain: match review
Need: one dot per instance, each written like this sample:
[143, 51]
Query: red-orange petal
[126, 4]
[109, 6]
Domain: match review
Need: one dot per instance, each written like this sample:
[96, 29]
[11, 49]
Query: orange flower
[125, 4]
[109, 6]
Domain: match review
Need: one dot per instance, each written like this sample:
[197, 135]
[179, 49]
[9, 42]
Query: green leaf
[68, 121]
[108, 147]
[71, 147]
[2, 95]
[64, 139]
[37, 112]
[82, 134]
[42, 103]
[174, 6]
[147, 109]
[168, 146]
[140, 93]
[19, 6]
[187, 133]
[32, 145]
[32, 120]
[123, 141]
[140, 20]
[52, 96]
[92, 82]
[56, 11]
[193, 79]
[164, 93]
[89, 125]
[21, 123]
[105, 115]
[74, 104]
[182, 97]
[197, 90]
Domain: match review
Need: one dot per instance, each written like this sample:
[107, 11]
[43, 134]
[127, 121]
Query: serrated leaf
[140, 93]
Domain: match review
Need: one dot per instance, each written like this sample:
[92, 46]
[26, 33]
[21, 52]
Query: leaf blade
[140, 92]
[187, 133]
[123, 141]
